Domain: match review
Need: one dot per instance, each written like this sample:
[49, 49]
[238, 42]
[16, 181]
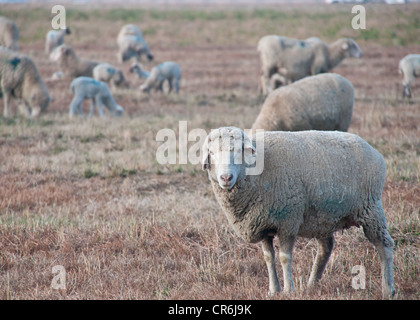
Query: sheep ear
[345, 46]
[205, 158]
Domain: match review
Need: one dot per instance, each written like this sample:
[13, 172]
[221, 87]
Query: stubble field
[88, 194]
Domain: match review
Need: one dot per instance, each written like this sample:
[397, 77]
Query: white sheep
[70, 64]
[8, 34]
[108, 73]
[409, 67]
[55, 38]
[98, 92]
[20, 79]
[313, 183]
[131, 44]
[295, 59]
[321, 102]
[167, 71]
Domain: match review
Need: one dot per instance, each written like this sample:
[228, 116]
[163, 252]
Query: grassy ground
[90, 195]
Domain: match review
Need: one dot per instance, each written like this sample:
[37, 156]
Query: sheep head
[226, 153]
[350, 48]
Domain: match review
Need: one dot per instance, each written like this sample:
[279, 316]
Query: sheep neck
[335, 53]
[237, 201]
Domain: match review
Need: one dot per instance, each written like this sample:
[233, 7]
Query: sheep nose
[226, 177]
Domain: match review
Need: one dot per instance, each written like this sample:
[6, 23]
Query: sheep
[137, 69]
[55, 38]
[409, 67]
[108, 73]
[167, 71]
[296, 59]
[98, 92]
[313, 183]
[321, 102]
[20, 79]
[8, 34]
[131, 44]
[71, 65]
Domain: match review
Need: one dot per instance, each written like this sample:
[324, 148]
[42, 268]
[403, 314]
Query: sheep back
[321, 102]
[8, 34]
[298, 58]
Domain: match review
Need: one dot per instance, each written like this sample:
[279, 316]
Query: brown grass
[89, 194]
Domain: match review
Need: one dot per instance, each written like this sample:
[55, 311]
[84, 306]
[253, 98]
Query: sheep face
[118, 111]
[144, 88]
[39, 103]
[119, 80]
[351, 48]
[135, 68]
[60, 53]
[226, 152]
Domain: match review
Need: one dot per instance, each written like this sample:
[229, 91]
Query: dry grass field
[88, 194]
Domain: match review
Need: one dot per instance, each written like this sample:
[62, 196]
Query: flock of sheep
[20, 78]
[317, 178]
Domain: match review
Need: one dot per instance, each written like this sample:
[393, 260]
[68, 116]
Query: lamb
[167, 71]
[71, 65]
[137, 69]
[98, 92]
[55, 38]
[296, 59]
[409, 67]
[108, 73]
[131, 44]
[313, 183]
[8, 34]
[20, 79]
[321, 102]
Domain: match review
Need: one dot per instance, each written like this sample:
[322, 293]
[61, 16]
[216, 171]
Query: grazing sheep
[296, 59]
[321, 102]
[108, 73]
[98, 92]
[131, 44]
[139, 71]
[55, 38]
[8, 34]
[409, 67]
[70, 64]
[20, 79]
[166, 71]
[313, 183]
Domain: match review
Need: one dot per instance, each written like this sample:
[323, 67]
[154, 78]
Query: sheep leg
[325, 247]
[170, 85]
[406, 91]
[286, 251]
[76, 106]
[6, 96]
[98, 102]
[175, 83]
[92, 107]
[375, 229]
[269, 257]
[406, 85]
[159, 87]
